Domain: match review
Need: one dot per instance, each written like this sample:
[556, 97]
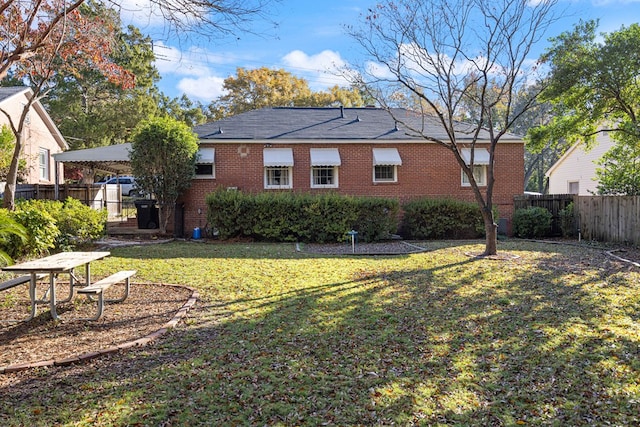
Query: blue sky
[308, 41]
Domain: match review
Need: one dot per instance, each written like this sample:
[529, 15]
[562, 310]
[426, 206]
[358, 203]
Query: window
[384, 173]
[43, 164]
[278, 168]
[277, 177]
[479, 174]
[205, 165]
[385, 164]
[324, 176]
[324, 167]
[574, 187]
[481, 159]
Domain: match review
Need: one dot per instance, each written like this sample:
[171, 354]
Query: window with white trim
[277, 177]
[479, 174]
[385, 164]
[481, 160]
[205, 164]
[324, 167]
[278, 168]
[574, 187]
[43, 164]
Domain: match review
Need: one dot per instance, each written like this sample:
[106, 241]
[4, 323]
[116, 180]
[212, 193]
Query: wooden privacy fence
[609, 218]
[554, 203]
[600, 218]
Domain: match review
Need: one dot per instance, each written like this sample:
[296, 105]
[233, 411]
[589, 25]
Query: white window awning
[206, 155]
[480, 156]
[278, 157]
[386, 157]
[324, 157]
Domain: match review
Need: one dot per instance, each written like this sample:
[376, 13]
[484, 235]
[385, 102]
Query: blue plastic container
[196, 233]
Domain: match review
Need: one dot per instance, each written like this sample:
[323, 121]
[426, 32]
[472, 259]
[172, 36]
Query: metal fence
[96, 196]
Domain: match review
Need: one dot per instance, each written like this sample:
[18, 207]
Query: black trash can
[147, 213]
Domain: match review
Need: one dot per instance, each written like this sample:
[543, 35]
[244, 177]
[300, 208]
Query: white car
[127, 183]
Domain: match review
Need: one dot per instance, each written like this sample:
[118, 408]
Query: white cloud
[171, 60]
[141, 13]
[321, 70]
[204, 88]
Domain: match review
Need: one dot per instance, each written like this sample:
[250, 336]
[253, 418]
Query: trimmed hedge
[442, 219]
[290, 217]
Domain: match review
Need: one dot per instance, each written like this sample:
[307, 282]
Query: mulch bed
[147, 309]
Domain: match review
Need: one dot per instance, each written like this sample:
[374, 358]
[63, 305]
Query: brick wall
[427, 170]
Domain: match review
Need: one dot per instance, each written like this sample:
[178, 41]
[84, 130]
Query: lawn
[437, 338]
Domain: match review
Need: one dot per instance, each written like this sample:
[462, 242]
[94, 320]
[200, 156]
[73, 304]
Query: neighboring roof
[348, 124]
[111, 158]
[6, 93]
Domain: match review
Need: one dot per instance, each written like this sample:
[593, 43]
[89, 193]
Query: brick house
[351, 151]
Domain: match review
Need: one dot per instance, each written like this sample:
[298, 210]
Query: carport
[111, 158]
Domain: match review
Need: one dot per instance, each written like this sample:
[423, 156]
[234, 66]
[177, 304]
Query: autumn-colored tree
[26, 26]
[469, 53]
[266, 87]
[83, 39]
[92, 110]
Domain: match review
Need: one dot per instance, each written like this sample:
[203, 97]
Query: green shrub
[532, 222]
[78, 223]
[442, 219]
[52, 224]
[288, 217]
[9, 230]
[35, 216]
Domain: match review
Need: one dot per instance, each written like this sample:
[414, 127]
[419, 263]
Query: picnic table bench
[98, 288]
[53, 265]
[12, 283]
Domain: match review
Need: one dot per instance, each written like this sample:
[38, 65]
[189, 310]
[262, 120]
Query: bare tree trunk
[165, 210]
[491, 231]
[9, 200]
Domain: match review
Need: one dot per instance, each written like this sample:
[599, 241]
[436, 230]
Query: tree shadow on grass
[467, 342]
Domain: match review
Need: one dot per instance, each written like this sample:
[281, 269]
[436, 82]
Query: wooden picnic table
[63, 262]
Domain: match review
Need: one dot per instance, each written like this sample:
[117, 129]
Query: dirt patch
[147, 309]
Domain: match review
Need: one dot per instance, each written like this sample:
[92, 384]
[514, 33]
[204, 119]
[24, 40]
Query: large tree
[266, 87]
[594, 87]
[463, 58]
[163, 159]
[84, 39]
[26, 26]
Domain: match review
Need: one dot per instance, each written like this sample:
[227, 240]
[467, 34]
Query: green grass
[438, 338]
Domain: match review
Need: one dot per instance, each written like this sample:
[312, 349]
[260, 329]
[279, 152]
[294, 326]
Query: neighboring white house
[575, 171]
[42, 138]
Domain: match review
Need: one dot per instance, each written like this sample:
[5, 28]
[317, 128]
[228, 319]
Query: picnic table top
[63, 261]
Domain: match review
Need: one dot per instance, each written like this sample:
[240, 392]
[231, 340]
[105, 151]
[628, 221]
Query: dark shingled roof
[302, 123]
[8, 92]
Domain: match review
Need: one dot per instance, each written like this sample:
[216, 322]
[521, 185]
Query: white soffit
[324, 157]
[386, 157]
[206, 155]
[480, 156]
[278, 157]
